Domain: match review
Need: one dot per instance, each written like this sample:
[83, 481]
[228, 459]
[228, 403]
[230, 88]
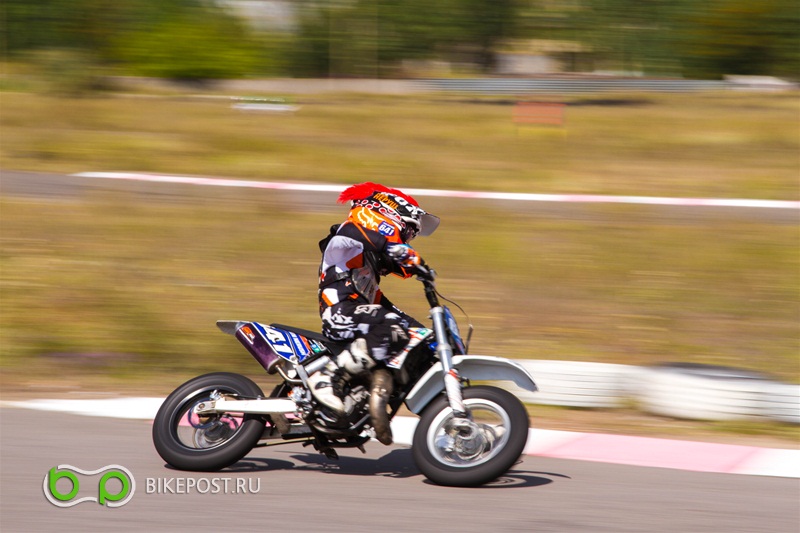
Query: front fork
[452, 381]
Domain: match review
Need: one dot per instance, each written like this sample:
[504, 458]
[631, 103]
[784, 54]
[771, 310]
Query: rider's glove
[404, 255]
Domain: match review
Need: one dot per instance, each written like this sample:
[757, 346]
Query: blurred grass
[631, 421]
[147, 276]
[126, 285]
[725, 144]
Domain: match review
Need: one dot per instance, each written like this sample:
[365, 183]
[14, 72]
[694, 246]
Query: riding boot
[351, 362]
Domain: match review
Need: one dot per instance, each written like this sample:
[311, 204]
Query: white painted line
[481, 195]
[130, 408]
[771, 462]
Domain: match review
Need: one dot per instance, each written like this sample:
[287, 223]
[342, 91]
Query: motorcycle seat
[334, 346]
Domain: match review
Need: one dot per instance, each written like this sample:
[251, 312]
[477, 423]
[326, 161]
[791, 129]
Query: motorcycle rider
[371, 243]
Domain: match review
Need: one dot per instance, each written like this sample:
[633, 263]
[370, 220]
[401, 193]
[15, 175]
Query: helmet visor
[429, 224]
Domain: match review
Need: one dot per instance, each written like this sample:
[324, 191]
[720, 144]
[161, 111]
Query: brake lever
[425, 273]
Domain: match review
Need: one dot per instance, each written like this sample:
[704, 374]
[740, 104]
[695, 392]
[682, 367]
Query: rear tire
[186, 442]
[500, 431]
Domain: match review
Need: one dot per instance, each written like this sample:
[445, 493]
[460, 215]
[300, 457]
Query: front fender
[472, 367]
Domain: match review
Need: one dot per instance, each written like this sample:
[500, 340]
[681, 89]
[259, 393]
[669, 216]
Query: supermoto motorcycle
[467, 434]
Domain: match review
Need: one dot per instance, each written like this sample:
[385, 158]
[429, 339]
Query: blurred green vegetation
[189, 40]
[197, 39]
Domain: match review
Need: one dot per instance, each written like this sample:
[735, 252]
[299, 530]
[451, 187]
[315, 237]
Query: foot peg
[281, 424]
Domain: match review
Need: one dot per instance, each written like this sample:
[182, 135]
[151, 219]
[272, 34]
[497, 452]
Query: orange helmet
[391, 212]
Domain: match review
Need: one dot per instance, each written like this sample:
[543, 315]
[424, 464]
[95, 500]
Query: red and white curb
[615, 449]
[482, 195]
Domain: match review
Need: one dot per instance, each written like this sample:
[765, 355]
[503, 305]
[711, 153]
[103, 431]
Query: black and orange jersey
[353, 260]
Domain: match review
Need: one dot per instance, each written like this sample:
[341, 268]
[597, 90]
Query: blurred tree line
[199, 39]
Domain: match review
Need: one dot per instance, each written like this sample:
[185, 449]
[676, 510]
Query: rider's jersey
[353, 260]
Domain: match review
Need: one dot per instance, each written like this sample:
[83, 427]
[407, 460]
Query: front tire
[187, 442]
[471, 455]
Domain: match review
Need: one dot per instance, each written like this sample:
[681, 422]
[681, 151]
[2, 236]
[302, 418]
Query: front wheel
[470, 452]
[188, 442]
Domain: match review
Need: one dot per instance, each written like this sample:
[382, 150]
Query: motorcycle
[467, 435]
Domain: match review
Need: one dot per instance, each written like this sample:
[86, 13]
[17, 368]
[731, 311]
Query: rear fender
[472, 367]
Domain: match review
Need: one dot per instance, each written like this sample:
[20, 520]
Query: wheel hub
[215, 432]
[210, 430]
[468, 439]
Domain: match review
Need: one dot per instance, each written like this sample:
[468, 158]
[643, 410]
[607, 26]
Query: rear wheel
[209, 443]
[471, 452]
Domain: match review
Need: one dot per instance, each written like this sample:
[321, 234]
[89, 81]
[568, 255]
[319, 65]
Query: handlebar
[427, 276]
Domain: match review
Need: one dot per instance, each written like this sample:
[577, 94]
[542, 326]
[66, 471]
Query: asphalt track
[382, 490]
[689, 455]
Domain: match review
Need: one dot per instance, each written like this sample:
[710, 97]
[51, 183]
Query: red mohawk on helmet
[365, 190]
